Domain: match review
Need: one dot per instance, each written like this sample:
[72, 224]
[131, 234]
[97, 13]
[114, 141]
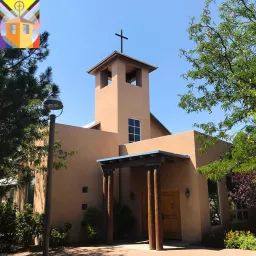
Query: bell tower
[122, 96]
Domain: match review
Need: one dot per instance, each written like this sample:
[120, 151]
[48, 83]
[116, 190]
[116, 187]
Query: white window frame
[134, 134]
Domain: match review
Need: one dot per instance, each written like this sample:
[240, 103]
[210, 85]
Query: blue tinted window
[133, 130]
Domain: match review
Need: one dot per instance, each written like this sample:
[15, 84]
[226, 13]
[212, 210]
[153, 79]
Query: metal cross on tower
[122, 37]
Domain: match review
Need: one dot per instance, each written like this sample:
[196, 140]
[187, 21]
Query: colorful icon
[19, 24]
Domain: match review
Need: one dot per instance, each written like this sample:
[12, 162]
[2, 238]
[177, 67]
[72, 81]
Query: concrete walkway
[141, 249]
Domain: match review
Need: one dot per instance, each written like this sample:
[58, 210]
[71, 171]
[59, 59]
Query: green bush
[22, 227]
[124, 222]
[93, 225]
[244, 240]
[28, 226]
[7, 225]
[59, 236]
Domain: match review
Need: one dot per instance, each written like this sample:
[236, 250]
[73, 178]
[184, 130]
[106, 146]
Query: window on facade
[133, 130]
[13, 29]
[85, 189]
[30, 192]
[213, 197]
[25, 29]
[84, 207]
[134, 77]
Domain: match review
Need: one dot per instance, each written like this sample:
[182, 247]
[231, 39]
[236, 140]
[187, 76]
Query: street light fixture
[52, 103]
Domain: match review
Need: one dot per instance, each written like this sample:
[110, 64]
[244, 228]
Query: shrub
[93, 224]
[7, 225]
[59, 236]
[124, 222]
[25, 226]
[244, 240]
[38, 225]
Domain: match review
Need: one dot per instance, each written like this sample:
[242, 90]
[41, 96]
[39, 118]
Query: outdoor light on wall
[132, 196]
[187, 192]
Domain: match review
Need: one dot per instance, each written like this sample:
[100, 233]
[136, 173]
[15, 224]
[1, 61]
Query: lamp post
[52, 103]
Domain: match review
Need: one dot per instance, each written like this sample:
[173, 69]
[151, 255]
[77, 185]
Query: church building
[128, 155]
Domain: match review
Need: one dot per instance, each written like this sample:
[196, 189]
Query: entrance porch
[157, 210]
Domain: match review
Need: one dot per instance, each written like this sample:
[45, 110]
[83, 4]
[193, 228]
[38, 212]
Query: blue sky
[82, 34]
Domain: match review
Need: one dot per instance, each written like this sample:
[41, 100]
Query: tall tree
[223, 67]
[23, 119]
[241, 158]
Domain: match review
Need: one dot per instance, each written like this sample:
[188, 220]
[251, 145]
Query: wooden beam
[110, 207]
[105, 206]
[151, 206]
[158, 210]
[144, 162]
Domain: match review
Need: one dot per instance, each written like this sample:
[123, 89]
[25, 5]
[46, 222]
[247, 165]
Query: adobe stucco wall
[118, 101]
[212, 154]
[195, 214]
[156, 130]
[179, 175]
[82, 171]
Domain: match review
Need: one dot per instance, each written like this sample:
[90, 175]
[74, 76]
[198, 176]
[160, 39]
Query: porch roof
[149, 158]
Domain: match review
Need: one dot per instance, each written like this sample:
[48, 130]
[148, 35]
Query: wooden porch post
[151, 215]
[158, 212]
[110, 207]
[105, 205]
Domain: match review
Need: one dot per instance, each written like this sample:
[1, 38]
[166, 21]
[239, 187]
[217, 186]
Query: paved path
[141, 249]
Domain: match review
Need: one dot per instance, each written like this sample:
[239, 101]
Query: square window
[137, 131]
[13, 29]
[137, 123]
[25, 28]
[131, 129]
[137, 137]
[131, 137]
[131, 122]
[85, 189]
[84, 207]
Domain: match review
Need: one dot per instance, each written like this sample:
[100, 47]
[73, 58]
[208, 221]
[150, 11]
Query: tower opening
[133, 75]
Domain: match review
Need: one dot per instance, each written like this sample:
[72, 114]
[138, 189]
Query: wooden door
[171, 214]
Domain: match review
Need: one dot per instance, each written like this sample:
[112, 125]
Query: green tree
[23, 119]
[240, 158]
[223, 66]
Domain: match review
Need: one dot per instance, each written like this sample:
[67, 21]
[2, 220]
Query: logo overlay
[19, 24]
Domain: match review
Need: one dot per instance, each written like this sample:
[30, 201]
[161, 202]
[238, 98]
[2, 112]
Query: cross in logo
[19, 6]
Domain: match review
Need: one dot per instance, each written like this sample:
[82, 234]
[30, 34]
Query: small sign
[19, 24]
